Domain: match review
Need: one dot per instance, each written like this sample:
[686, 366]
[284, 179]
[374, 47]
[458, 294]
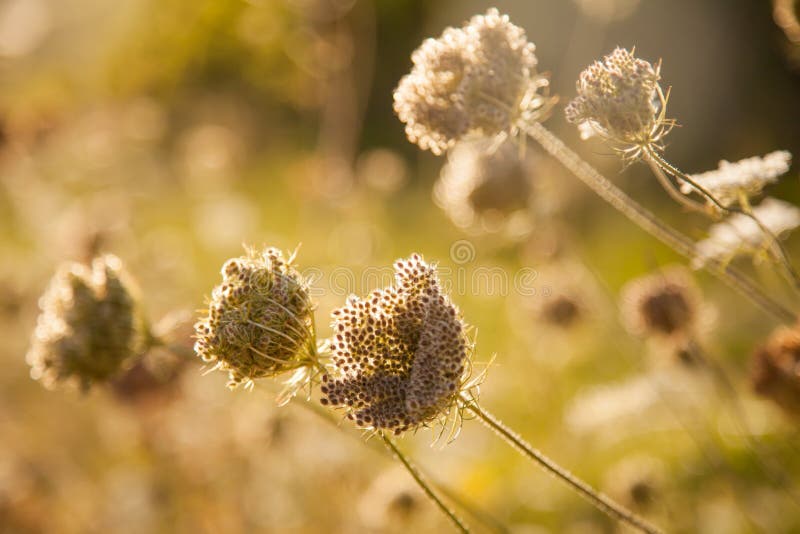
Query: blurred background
[172, 132]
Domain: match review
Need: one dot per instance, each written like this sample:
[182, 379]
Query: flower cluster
[663, 304]
[776, 369]
[620, 100]
[740, 234]
[476, 80]
[259, 319]
[732, 182]
[90, 325]
[478, 187]
[400, 354]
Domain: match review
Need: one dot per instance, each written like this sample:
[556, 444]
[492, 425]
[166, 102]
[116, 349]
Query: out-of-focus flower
[663, 304]
[607, 10]
[730, 182]
[259, 319]
[90, 325]
[399, 355]
[739, 234]
[620, 100]
[775, 369]
[636, 481]
[391, 501]
[478, 80]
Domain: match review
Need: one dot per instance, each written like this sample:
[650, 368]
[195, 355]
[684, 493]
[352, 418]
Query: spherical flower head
[619, 99]
[478, 80]
[774, 370]
[664, 304]
[399, 355]
[90, 326]
[259, 319]
[478, 186]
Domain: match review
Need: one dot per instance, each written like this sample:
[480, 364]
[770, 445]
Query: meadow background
[171, 132]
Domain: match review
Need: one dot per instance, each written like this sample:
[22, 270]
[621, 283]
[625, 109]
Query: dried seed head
[663, 304]
[745, 178]
[476, 80]
[620, 100]
[775, 370]
[400, 354]
[478, 186]
[739, 234]
[259, 319]
[90, 325]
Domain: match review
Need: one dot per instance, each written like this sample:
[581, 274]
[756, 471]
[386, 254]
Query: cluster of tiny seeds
[479, 79]
[399, 355]
[477, 183]
[258, 321]
[775, 368]
[618, 98]
[89, 327]
[662, 304]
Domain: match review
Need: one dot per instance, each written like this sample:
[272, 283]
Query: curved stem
[673, 191]
[415, 474]
[776, 247]
[650, 223]
[597, 499]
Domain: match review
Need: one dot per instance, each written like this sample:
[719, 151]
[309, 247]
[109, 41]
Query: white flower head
[740, 234]
[748, 177]
[478, 80]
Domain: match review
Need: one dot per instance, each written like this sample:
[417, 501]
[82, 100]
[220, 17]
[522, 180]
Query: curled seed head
[258, 322]
[399, 354]
[90, 325]
[663, 304]
[479, 79]
[477, 186]
[775, 369]
[619, 99]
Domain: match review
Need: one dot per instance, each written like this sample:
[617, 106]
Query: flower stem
[643, 218]
[415, 474]
[597, 499]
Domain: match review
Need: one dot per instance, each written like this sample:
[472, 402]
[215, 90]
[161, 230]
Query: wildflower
[259, 319]
[775, 371]
[479, 80]
[733, 182]
[562, 310]
[664, 304]
[740, 234]
[90, 325]
[393, 499]
[620, 99]
[636, 481]
[400, 354]
[478, 187]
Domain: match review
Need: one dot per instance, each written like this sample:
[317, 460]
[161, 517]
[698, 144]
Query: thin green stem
[596, 498]
[415, 474]
[643, 218]
[776, 247]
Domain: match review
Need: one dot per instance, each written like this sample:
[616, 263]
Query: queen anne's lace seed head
[775, 370]
[480, 186]
[745, 178]
[739, 234]
[663, 304]
[90, 325]
[476, 80]
[619, 99]
[400, 354]
[258, 322]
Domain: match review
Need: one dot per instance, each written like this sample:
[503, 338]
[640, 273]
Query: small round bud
[90, 325]
[619, 99]
[476, 80]
[400, 354]
[664, 304]
[775, 369]
[258, 322]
